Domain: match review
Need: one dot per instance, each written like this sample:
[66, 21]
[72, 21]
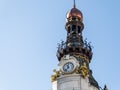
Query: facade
[74, 56]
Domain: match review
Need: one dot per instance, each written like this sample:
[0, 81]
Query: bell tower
[74, 56]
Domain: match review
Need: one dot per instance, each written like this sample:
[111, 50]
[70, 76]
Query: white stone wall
[54, 85]
[72, 82]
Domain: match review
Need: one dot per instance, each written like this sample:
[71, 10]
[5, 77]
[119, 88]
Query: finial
[74, 4]
[105, 87]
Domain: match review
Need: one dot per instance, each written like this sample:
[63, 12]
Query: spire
[74, 44]
[74, 4]
[74, 12]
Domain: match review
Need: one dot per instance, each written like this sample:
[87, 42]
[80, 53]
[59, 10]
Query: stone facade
[72, 82]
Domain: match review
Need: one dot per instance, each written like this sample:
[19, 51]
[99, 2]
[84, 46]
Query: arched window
[78, 29]
[73, 27]
[69, 29]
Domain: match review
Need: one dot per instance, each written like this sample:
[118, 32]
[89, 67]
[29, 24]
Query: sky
[31, 29]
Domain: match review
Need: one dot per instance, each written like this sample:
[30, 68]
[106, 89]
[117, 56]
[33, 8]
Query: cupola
[74, 12]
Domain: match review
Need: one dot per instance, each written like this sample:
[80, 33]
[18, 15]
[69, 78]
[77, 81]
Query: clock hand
[67, 66]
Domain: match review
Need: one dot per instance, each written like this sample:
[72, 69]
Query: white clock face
[68, 67]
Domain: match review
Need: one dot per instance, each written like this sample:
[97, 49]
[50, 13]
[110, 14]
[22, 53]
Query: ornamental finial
[74, 4]
[105, 87]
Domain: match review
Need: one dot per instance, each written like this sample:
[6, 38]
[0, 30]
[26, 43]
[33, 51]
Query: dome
[74, 12]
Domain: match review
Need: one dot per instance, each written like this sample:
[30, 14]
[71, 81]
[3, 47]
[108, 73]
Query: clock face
[68, 67]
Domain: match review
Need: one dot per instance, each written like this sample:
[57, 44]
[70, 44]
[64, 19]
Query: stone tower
[74, 56]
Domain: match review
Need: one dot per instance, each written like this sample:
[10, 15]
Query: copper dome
[74, 12]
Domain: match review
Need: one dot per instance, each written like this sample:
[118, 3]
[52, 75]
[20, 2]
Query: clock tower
[74, 56]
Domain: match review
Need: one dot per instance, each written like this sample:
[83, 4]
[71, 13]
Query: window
[74, 19]
[73, 27]
[78, 29]
[69, 29]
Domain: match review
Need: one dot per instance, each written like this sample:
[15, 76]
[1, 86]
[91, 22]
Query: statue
[83, 70]
[56, 74]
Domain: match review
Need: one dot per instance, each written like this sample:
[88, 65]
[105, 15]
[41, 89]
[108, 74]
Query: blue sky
[31, 29]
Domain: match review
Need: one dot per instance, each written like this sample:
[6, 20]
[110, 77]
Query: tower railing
[64, 49]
